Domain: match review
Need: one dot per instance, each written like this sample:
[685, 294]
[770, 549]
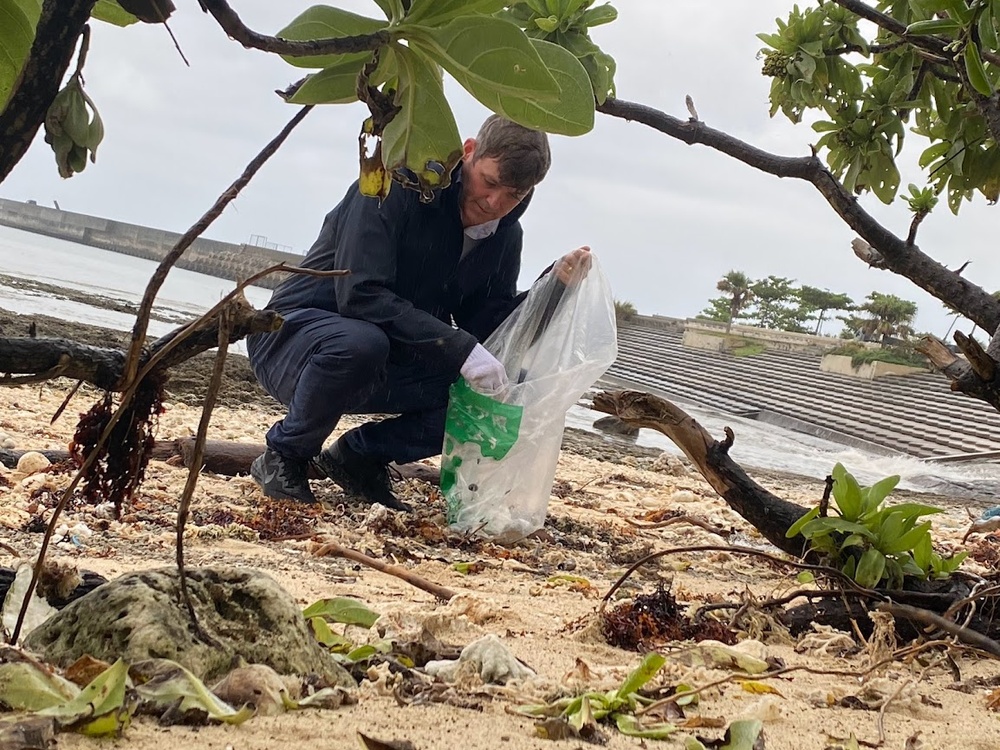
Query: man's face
[484, 197]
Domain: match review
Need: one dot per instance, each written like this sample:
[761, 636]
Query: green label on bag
[480, 420]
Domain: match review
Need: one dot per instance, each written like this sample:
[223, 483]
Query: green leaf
[342, 609]
[100, 707]
[26, 687]
[846, 491]
[18, 19]
[629, 725]
[923, 552]
[490, 58]
[573, 113]
[337, 84]
[976, 70]
[324, 22]
[393, 9]
[796, 528]
[874, 495]
[742, 735]
[440, 12]
[907, 541]
[934, 26]
[322, 632]
[423, 137]
[870, 568]
[179, 686]
[111, 12]
[600, 15]
[651, 664]
[827, 525]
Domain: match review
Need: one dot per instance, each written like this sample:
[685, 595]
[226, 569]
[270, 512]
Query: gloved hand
[484, 372]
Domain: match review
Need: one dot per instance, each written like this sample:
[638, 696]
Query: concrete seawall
[211, 257]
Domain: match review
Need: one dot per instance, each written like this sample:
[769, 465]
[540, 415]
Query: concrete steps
[917, 415]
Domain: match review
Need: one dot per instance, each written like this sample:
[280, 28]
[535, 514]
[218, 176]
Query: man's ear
[468, 149]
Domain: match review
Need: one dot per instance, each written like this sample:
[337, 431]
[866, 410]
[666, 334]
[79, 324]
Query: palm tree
[736, 285]
[889, 315]
[820, 301]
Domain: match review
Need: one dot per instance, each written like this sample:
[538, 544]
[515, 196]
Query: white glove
[484, 372]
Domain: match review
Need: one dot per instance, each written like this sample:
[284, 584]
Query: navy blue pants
[322, 365]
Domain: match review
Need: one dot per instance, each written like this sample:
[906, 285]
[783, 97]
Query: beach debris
[487, 657]
[39, 610]
[32, 462]
[650, 620]
[139, 616]
[825, 640]
[716, 655]
[185, 699]
[370, 743]
[988, 521]
[578, 717]
[740, 735]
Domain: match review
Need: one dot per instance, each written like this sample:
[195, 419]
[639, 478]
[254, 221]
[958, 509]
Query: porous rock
[141, 616]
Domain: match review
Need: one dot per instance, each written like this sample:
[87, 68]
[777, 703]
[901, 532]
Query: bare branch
[237, 30]
[227, 197]
[908, 261]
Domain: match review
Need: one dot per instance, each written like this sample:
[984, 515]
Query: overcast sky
[666, 220]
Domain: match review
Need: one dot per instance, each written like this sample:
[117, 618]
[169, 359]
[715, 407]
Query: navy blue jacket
[407, 274]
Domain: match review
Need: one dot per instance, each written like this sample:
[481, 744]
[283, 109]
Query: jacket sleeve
[367, 246]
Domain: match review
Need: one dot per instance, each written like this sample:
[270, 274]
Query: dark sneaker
[358, 475]
[282, 478]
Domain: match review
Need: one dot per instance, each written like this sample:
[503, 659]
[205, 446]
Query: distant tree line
[778, 303]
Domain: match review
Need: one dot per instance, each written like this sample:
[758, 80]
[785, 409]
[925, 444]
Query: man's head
[500, 167]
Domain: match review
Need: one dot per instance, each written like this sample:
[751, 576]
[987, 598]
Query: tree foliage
[817, 302]
[886, 316]
[533, 62]
[927, 66]
[735, 287]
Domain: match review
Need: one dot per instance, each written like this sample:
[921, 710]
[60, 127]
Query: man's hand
[484, 372]
[574, 266]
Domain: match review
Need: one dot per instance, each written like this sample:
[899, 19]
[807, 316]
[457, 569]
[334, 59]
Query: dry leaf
[85, 669]
[759, 688]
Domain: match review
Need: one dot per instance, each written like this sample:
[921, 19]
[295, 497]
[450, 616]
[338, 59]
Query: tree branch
[59, 26]
[908, 261]
[237, 30]
[103, 367]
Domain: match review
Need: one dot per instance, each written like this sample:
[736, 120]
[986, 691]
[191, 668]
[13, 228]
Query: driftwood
[29, 360]
[772, 516]
[768, 513]
[978, 375]
[220, 457]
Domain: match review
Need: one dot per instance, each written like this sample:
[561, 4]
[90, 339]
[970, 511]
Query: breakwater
[212, 257]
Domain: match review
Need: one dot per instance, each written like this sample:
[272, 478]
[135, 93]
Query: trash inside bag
[500, 452]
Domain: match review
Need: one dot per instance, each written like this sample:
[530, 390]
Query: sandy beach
[540, 597]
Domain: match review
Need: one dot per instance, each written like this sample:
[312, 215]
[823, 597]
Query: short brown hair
[522, 154]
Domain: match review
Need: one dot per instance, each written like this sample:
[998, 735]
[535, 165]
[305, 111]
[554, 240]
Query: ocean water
[186, 294]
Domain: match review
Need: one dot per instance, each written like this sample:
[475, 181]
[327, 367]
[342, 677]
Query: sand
[523, 594]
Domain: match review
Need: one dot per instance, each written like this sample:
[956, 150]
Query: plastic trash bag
[500, 452]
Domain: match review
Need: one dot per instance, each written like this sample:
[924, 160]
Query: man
[381, 340]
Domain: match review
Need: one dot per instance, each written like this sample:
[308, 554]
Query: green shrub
[748, 349]
[861, 355]
[872, 542]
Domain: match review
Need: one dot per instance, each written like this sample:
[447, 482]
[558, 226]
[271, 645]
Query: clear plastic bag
[500, 452]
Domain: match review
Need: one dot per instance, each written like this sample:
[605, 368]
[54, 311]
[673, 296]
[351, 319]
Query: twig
[680, 519]
[141, 323]
[160, 275]
[833, 572]
[787, 670]
[971, 637]
[197, 454]
[65, 401]
[332, 549]
[237, 30]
